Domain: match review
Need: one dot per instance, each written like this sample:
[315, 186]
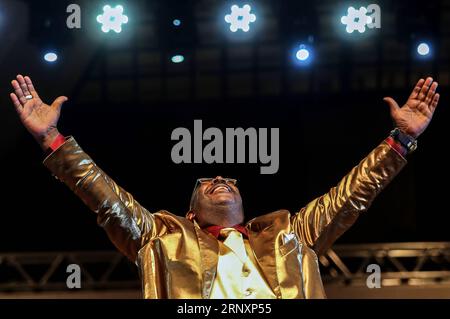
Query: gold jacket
[177, 259]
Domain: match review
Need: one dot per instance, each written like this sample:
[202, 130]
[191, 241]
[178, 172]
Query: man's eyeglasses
[200, 181]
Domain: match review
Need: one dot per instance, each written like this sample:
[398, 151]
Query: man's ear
[190, 215]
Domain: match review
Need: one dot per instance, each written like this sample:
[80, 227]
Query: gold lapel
[263, 233]
[209, 254]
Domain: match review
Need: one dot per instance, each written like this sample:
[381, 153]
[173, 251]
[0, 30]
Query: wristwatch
[407, 141]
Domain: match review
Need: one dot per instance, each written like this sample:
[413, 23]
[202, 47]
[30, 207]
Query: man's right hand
[40, 119]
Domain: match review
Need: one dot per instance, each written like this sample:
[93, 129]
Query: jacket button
[246, 272]
[248, 292]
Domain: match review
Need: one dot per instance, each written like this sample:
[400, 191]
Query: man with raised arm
[211, 253]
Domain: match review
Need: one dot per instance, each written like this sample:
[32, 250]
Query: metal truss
[47, 271]
[411, 264]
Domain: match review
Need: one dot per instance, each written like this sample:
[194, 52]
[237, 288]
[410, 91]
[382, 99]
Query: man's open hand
[414, 117]
[39, 118]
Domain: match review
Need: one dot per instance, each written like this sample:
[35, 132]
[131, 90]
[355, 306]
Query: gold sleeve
[124, 219]
[326, 218]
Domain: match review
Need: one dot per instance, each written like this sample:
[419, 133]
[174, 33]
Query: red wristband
[397, 146]
[58, 141]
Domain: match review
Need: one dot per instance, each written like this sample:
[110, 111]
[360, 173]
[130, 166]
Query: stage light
[356, 20]
[423, 49]
[177, 58]
[176, 22]
[302, 54]
[240, 18]
[112, 19]
[50, 57]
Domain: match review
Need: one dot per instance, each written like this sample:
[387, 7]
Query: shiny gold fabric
[237, 275]
[179, 260]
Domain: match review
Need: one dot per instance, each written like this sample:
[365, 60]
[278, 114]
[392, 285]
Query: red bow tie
[215, 230]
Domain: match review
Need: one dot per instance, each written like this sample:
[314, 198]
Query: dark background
[126, 97]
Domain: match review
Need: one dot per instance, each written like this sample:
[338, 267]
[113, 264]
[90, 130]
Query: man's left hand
[414, 117]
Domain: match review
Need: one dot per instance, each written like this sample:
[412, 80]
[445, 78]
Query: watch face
[407, 141]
